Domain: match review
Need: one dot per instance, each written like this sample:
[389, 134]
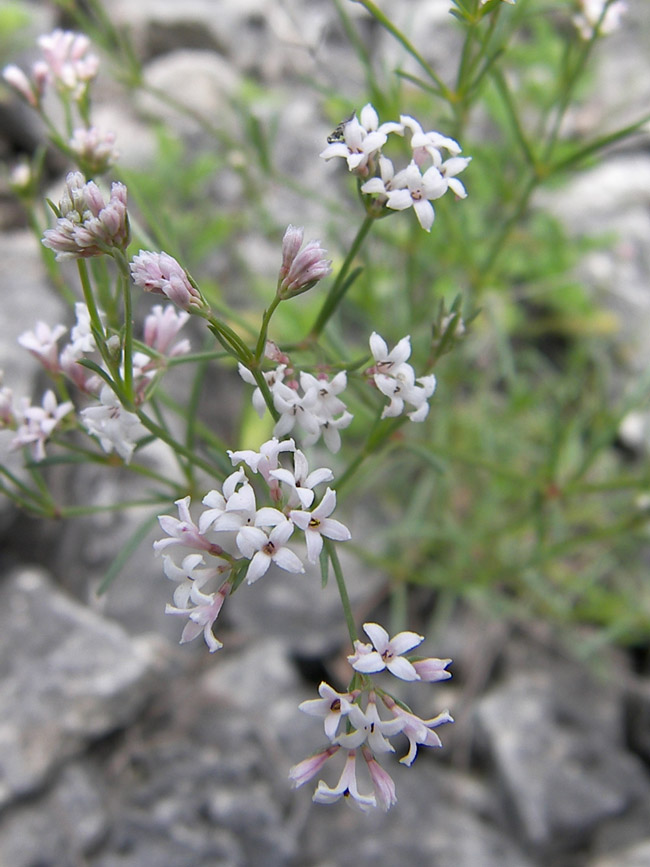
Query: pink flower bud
[17, 79]
[161, 274]
[301, 269]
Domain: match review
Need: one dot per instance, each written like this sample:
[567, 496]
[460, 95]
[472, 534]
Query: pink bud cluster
[353, 723]
[241, 538]
[66, 64]
[88, 225]
[161, 274]
[301, 269]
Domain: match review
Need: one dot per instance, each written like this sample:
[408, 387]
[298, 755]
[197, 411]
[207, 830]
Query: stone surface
[67, 678]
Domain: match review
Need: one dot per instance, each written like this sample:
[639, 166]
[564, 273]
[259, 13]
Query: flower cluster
[66, 64]
[116, 428]
[427, 177]
[242, 539]
[396, 379]
[309, 404]
[87, 225]
[352, 721]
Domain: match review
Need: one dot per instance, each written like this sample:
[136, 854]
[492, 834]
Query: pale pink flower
[67, 62]
[37, 423]
[202, 616]
[161, 328]
[411, 188]
[183, 531]
[94, 149]
[418, 731]
[16, 78]
[370, 728]
[432, 670]
[381, 780]
[42, 343]
[308, 768]
[347, 787]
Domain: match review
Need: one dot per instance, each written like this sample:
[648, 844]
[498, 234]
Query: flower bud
[161, 274]
[301, 269]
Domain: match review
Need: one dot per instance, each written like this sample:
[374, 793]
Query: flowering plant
[321, 390]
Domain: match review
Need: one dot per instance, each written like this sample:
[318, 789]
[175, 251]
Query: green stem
[177, 447]
[332, 300]
[264, 330]
[388, 25]
[343, 590]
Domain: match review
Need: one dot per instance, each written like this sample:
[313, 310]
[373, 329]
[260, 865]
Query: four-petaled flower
[385, 652]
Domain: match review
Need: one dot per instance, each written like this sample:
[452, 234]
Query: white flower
[292, 409]
[346, 787]
[264, 462]
[361, 139]
[370, 728]
[262, 550]
[428, 144]
[301, 482]
[402, 388]
[410, 188]
[385, 652]
[389, 362]
[115, 427]
[191, 573]
[332, 706]
[317, 523]
[272, 377]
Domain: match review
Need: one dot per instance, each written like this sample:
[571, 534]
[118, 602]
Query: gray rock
[637, 855]
[59, 828]
[67, 677]
[559, 764]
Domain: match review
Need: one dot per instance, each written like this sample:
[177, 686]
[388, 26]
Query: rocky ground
[121, 749]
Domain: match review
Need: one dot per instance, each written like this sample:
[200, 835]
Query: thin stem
[388, 25]
[331, 302]
[264, 330]
[343, 590]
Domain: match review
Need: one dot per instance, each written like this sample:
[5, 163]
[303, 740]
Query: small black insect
[339, 132]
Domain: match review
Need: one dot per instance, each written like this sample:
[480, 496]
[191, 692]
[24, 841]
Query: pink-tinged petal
[425, 213]
[317, 477]
[326, 505]
[250, 540]
[432, 669]
[373, 142]
[405, 641]
[378, 635]
[402, 668]
[300, 518]
[308, 768]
